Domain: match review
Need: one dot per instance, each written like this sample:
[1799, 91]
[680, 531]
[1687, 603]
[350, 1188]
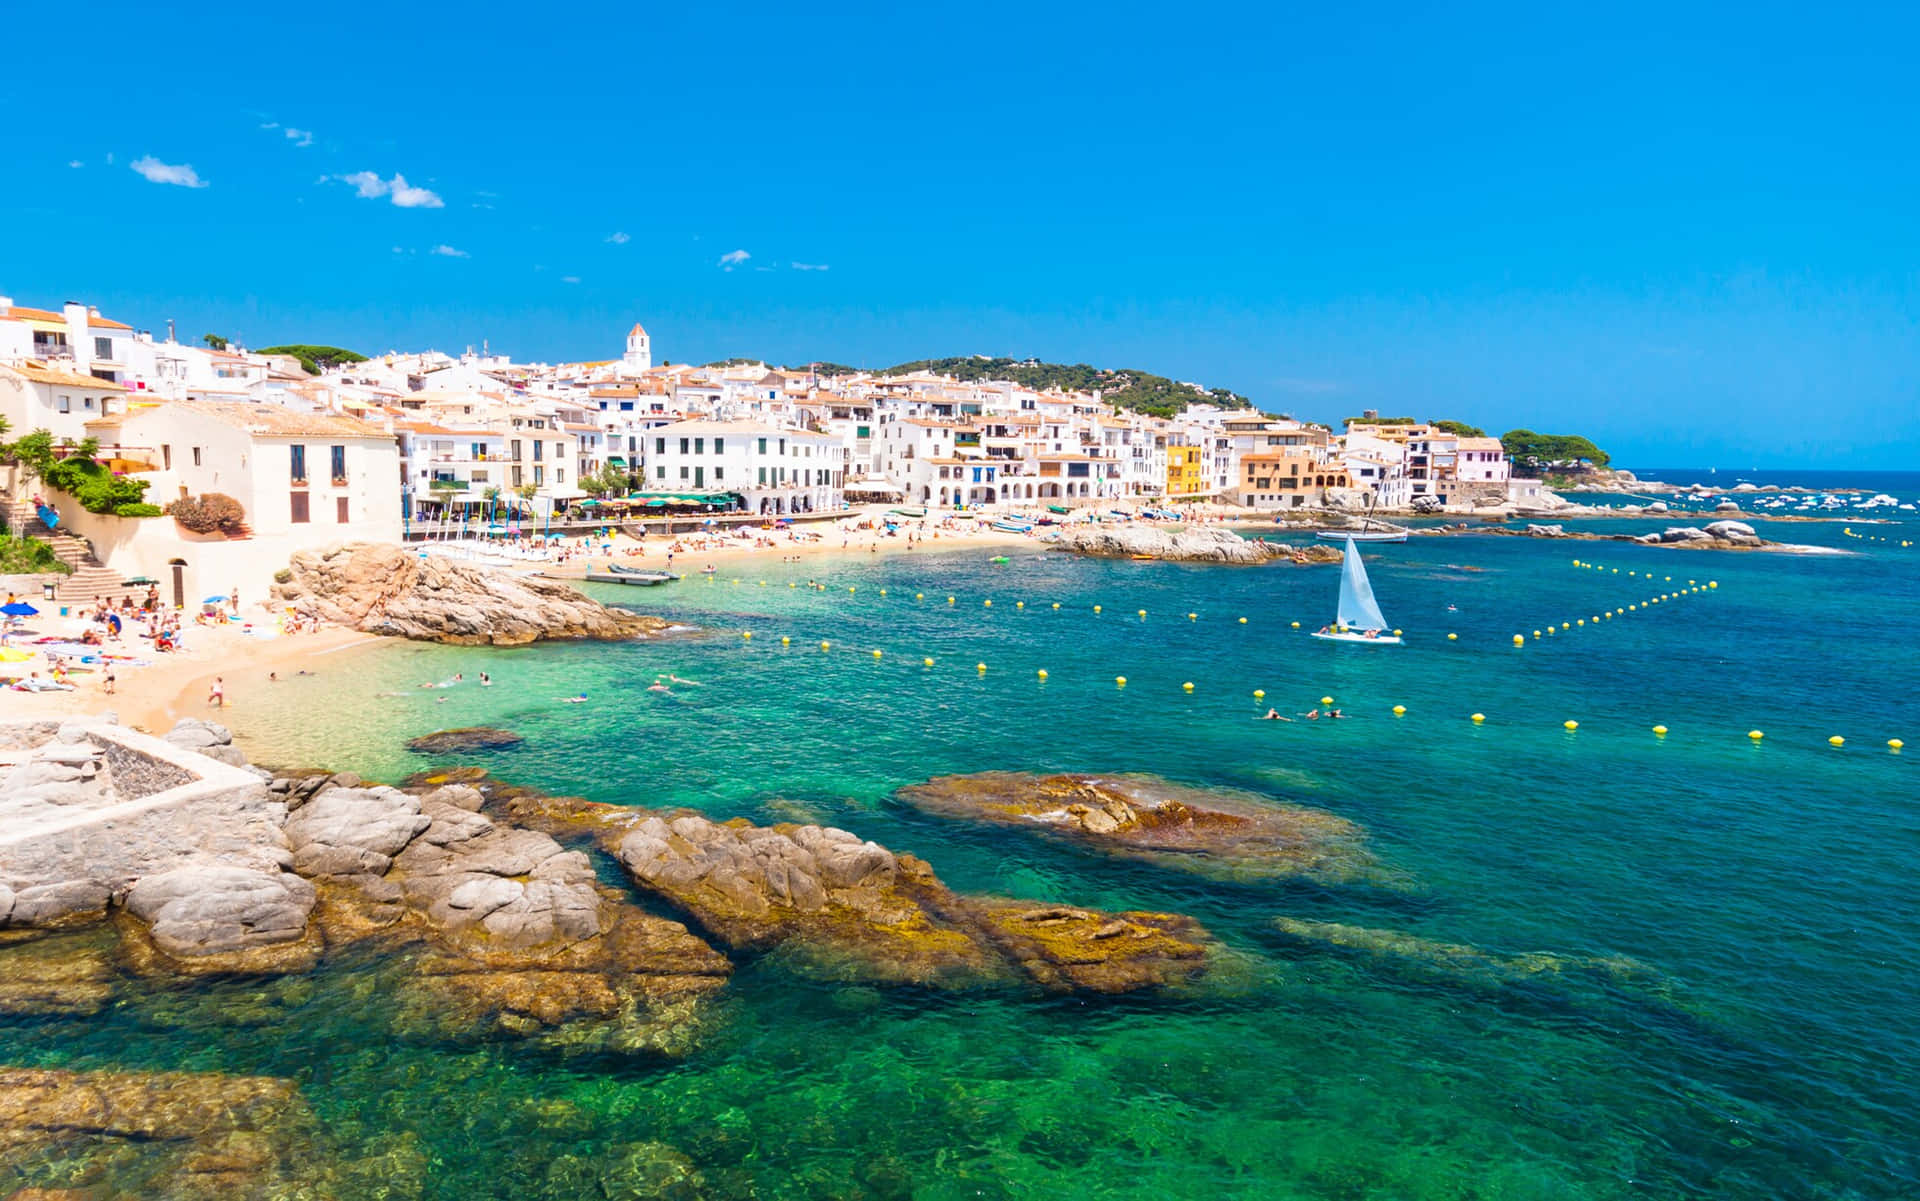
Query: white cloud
[299, 137]
[619, 239]
[155, 171]
[75, 163]
[269, 124]
[368, 185]
[569, 279]
[809, 266]
[732, 259]
[447, 252]
[398, 250]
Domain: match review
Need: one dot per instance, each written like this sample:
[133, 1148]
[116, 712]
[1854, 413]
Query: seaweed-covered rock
[1218, 834]
[845, 908]
[1458, 963]
[471, 738]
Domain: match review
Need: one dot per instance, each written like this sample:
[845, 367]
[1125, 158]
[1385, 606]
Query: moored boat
[1358, 617]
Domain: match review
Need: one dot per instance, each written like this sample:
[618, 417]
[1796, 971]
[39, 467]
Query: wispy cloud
[299, 137]
[155, 171]
[732, 259]
[569, 279]
[447, 252]
[75, 163]
[808, 266]
[369, 186]
[619, 239]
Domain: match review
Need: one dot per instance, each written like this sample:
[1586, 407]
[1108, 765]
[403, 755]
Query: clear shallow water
[1768, 886]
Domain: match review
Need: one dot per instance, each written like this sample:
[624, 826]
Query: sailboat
[1359, 618]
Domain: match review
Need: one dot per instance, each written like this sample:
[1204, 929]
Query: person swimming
[677, 680]
[660, 688]
[486, 681]
[573, 700]
[1314, 715]
[1274, 715]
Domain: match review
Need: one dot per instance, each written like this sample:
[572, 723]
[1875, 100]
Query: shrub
[209, 513]
[138, 509]
[28, 556]
[283, 576]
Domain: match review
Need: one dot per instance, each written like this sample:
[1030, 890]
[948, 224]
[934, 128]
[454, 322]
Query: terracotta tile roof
[40, 373]
[21, 312]
[273, 421]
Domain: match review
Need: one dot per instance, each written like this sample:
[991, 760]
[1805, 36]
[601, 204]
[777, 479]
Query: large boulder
[213, 917]
[471, 738]
[385, 589]
[836, 905]
[353, 831]
[1685, 533]
[1228, 836]
[1191, 544]
[1733, 531]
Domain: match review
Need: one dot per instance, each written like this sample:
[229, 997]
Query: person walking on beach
[217, 694]
[233, 601]
[106, 684]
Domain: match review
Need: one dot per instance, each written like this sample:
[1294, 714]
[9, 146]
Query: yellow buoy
[1326, 700]
[883, 592]
[1565, 626]
[1096, 608]
[926, 662]
[919, 596]
[826, 646]
[1396, 633]
[1120, 680]
[1296, 625]
[1399, 710]
[1456, 638]
[791, 584]
[979, 667]
[746, 633]
[1580, 622]
[1188, 686]
[1660, 731]
[1259, 694]
[1517, 640]
[1755, 735]
[1536, 633]
[1713, 583]
[1243, 621]
[1571, 725]
[785, 641]
[1836, 740]
[876, 654]
[987, 604]
[1042, 673]
[1056, 604]
[1193, 617]
[1478, 718]
[1894, 744]
[1019, 604]
[763, 583]
[1143, 612]
[851, 588]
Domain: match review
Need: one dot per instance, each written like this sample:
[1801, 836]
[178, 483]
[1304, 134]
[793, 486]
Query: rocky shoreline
[1185, 544]
[379, 588]
[1718, 535]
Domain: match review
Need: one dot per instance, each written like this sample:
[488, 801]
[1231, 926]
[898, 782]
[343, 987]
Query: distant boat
[629, 575]
[1361, 535]
[1013, 525]
[1358, 618]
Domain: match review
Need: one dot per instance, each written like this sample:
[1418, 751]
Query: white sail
[1358, 609]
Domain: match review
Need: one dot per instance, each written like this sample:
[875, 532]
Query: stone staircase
[91, 581]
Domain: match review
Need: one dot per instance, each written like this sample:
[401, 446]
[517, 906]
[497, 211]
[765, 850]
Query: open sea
[1766, 886]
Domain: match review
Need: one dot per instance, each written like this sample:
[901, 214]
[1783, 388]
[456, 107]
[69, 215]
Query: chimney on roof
[169, 331]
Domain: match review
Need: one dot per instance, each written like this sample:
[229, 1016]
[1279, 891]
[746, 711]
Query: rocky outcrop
[1189, 544]
[1219, 835]
[160, 1134]
[210, 917]
[838, 906]
[385, 589]
[472, 738]
[1459, 964]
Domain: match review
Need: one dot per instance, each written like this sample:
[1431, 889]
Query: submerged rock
[470, 738]
[845, 908]
[1458, 963]
[386, 589]
[68, 975]
[1217, 834]
[159, 1134]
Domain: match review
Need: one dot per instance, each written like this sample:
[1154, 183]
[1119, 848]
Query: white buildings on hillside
[773, 471]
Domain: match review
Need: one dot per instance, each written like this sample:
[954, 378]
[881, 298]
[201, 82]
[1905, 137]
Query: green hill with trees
[316, 358]
[1141, 391]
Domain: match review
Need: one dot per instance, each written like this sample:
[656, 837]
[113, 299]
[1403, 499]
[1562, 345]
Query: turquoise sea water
[1766, 886]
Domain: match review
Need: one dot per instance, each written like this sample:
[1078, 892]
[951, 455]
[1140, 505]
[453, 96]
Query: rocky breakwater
[1718, 535]
[203, 867]
[1216, 834]
[1186, 544]
[835, 905]
[386, 589]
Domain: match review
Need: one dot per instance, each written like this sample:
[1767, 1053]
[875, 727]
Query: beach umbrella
[19, 609]
[214, 600]
[11, 654]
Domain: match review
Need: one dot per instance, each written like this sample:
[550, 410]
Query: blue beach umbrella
[214, 600]
[19, 609]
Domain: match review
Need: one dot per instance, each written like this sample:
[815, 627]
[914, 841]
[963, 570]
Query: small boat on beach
[630, 575]
[1358, 617]
[1058, 509]
[909, 512]
[1013, 525]
[1361, 535]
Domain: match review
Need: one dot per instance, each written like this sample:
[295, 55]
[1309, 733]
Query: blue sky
[1687, 231]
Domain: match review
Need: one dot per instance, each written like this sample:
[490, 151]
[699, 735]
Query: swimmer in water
[660, 688]
[1313, 716]
[486, 681]
[574, 700]
[677, 680]
[1274, 715]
